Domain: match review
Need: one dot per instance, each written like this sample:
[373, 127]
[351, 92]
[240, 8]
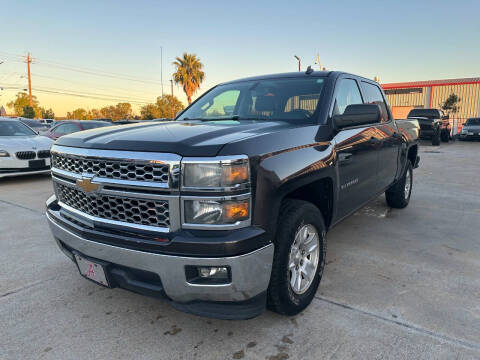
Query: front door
[357, 154]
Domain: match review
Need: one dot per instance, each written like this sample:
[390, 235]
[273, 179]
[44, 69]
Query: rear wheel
[398, 195]
[299, 258]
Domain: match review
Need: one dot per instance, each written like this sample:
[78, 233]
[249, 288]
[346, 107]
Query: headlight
[216, 174]
[216, 212]
[3, 153]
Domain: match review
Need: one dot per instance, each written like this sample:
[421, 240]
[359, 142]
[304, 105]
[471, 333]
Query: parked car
[471, 129]
[434, 124]
[36, 125]
[71, 126]
[22, 150]
[225, 213]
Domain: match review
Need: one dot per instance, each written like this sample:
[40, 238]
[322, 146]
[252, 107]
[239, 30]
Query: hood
[186, 138]
[474, 128]
[25, 143]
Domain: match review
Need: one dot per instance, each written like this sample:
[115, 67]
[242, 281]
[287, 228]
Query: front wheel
[299, 258]
[436, 138]
[445, 136]
[398, 195]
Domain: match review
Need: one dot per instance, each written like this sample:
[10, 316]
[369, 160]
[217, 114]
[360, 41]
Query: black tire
[436, 138]
[294, 214]
[397, 196]
[445, 136]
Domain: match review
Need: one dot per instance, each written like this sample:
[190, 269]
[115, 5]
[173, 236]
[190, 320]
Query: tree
[48, 114]
[21, 101]
[117, 112]
[28, 112]
[189, 74]
[78, 114]
[450, 105]
[162, 108]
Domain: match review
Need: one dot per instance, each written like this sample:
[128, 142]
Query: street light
[299, 62]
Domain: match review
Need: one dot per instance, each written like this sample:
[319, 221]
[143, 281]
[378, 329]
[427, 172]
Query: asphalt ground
[398, 284]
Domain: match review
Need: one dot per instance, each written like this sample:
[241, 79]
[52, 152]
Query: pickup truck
[433, 123]
[225, 210]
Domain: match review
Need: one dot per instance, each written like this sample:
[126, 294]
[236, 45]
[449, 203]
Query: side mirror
[359, 114]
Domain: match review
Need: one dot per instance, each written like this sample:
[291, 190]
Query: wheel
[299, 257]
[445, 136]
[398, 195]
[436, 138]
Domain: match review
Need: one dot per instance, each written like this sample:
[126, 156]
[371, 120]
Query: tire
[436, 138]
[283, 297]
[398, 195]
[445, 136]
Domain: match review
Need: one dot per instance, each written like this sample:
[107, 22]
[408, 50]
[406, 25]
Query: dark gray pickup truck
[226, 209]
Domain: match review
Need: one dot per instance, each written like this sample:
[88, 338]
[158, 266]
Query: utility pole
[161, 66]
[171, 101]
[299, 62]
[29, 61]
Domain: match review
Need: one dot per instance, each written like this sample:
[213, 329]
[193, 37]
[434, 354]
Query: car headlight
[464, 131]
[216, 212]
[4, 153]
[217, 174]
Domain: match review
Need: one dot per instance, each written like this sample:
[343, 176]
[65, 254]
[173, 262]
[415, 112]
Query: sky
[74, 42]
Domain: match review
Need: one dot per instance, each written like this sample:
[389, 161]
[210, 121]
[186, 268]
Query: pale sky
[121, 40]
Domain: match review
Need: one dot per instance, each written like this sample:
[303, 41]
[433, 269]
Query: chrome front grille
[43, 154]
[118, 208]
[145, 171]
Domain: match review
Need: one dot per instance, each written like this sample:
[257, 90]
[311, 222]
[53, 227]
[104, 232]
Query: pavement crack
[14, 291]
[22, 207]
[418, 329]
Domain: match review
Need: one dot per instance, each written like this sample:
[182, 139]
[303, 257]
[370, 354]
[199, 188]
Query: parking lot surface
[398, 284]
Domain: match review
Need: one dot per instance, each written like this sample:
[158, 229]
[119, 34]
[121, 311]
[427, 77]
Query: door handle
[344, 157]
[374, 141]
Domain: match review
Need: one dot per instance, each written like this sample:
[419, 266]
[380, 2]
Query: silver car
[22, 150]
[471, 129]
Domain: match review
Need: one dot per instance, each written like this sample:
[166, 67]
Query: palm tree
[189, 74]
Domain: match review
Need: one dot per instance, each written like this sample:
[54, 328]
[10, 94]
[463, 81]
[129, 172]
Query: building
[405, 96]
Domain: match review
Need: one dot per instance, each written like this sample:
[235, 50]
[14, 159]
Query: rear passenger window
[347, 94]
[373, 95]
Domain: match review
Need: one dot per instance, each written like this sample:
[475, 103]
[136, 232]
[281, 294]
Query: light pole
[299, 62]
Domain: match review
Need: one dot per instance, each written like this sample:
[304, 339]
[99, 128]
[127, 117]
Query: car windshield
[473, 121]
[428, 113]
[15, 128]
[268, 99]
[93, 125]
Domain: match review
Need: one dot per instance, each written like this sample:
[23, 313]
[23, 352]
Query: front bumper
[474, 136]
[243, 297]
[12, 166]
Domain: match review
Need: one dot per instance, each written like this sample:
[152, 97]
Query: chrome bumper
[250, 272]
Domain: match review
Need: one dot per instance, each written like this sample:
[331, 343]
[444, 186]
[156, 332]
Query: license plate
[35, 164]
[91, 270]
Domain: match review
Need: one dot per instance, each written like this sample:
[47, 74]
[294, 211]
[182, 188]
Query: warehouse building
[406, 96]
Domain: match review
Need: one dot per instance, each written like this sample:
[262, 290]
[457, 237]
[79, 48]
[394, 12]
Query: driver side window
[348, 93]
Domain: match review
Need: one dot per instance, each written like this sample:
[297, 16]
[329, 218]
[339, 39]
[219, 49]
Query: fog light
[208, 274]
[213, 272]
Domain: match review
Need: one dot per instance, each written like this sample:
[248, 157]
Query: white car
[22, 150]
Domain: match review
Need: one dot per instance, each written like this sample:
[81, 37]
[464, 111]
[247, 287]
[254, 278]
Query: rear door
[389, 141]
[357, 158]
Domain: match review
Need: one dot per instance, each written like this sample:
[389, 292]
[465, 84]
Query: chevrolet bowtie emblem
[86, 185]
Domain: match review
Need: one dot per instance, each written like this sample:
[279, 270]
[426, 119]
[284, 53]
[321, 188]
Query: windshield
[428, 113]
[33, 123]
[93, 125]
[473, 121]
[15, 128]
[269, 99]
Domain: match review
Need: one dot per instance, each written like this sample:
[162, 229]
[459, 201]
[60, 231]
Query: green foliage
[28, 112]
[48, 114]
[451, 104]
[78, 114]
[189, 73]
[21, 101]
[117, 112]
[162, 108]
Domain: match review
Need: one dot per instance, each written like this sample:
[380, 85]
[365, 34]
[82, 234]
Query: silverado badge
[86, 185]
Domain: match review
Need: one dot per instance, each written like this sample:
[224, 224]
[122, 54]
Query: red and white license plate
[91, 270]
